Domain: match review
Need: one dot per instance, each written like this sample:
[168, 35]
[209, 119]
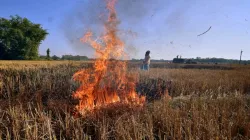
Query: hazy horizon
[165, 27]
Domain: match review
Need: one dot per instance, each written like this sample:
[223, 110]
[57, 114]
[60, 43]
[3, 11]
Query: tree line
[64, 57]
[219, 60]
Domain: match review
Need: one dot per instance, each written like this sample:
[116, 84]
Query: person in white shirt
[146, 61]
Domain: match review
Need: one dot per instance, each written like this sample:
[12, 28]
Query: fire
[108, 82]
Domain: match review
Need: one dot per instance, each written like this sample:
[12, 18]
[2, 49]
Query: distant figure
[146, 61]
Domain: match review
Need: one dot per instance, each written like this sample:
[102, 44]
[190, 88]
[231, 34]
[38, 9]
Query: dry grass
[36, 103]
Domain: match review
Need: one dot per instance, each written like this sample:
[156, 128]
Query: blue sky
[166, 27]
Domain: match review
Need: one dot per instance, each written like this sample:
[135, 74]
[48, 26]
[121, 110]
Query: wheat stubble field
[36, 103]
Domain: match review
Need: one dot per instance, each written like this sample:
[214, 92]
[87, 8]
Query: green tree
[20, 38]
[48, 54]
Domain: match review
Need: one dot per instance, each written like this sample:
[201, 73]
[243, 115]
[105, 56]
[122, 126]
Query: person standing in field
[146, 61]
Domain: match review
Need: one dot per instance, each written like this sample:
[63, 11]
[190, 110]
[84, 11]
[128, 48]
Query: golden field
[208, 102]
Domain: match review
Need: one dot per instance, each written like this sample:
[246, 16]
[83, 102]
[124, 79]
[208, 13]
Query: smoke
[86, 15]
[135, 15]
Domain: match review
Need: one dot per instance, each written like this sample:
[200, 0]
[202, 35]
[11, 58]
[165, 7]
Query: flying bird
[205, 31]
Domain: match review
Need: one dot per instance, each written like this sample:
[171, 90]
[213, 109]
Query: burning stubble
[109, 82]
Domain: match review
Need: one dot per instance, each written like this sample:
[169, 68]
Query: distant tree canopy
[54, 57]
[20, 38]
[72, 57]
[64, 57]
[219, 60]
[213, 60]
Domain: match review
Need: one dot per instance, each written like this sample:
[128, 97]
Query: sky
[165, 27]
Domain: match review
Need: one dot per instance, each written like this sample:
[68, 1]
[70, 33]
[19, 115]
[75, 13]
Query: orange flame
[109, 82]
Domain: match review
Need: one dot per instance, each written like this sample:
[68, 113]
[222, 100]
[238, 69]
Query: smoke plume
[135, 17]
